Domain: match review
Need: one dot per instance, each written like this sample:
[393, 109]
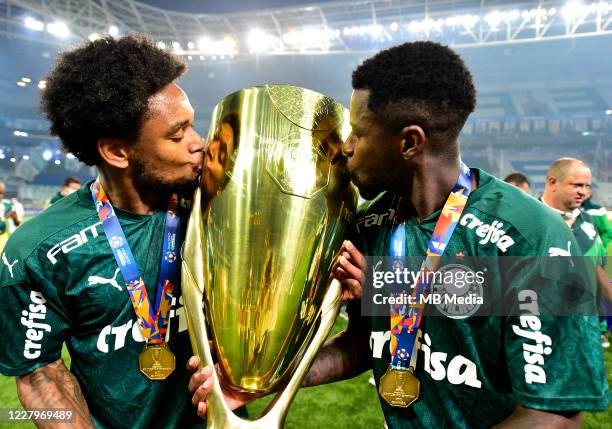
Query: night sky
[228, 6]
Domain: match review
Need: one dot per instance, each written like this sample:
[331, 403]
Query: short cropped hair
[561, 167]
[518, 178]
[102, 88]
[420, 82]
[69, 180]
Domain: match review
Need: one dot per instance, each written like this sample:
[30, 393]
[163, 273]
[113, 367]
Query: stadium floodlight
[394, 26]
[26, 79]
[70, 155]
[260, 41]
[161, 45]
[58, 29]
[22, 84]
[42, 84]
[47, 155]
[13, 159]
[609, 112]
[57, 162]
[26, 157]
[574, 10]
[94, 36]
[190, 46]
[34, 24]
[189, 57]
[2, 155]
[496, 17]
[309, 39]
[177, 47]
[113, 31]
[225, 46]
[20, 133]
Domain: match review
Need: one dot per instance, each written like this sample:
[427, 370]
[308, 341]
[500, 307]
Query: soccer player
[115, 104]
[408, 106]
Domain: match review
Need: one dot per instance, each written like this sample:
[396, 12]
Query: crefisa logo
[33, 319]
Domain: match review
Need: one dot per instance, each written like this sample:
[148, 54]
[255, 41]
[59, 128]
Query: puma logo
[97, 280]
[10, 266]
[557, 251]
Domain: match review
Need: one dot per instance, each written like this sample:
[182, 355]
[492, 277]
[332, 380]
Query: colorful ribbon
[405, 318]
[153, 322]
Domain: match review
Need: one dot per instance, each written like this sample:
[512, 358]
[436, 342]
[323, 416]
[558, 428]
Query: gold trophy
[264, 230]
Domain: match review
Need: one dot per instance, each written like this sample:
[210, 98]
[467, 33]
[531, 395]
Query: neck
[124, 194]
[431, 186]
[550, 202]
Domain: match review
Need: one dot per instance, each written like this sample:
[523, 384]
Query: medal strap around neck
[153, 321]
[405, 319]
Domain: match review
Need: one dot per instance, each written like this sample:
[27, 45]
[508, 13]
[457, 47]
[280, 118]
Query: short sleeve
[556, 363]
[33, 318]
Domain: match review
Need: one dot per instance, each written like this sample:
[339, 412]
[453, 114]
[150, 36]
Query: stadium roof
[320, 28]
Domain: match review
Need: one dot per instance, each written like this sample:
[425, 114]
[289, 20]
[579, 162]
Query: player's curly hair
[101, 90]
[421, 82]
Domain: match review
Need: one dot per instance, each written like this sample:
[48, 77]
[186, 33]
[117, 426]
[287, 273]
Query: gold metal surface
[156, 361]
[264, 230]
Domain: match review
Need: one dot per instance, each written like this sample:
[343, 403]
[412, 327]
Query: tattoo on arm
[53, 386]
[344, 356]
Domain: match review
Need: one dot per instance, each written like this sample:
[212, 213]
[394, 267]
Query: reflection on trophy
[264, 230]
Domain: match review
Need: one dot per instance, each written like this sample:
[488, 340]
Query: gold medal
[399, 388]
[156, 361]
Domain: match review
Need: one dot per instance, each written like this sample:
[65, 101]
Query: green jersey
[475, 370]
[59, 282]
[600, 219]
[56, 198]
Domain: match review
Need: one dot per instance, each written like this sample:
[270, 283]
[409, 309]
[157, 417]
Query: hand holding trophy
[263, 235]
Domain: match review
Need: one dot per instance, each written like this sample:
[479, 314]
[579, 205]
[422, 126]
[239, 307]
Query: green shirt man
[475, 369]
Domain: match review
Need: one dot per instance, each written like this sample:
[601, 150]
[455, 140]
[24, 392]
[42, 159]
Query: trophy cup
[264, 230]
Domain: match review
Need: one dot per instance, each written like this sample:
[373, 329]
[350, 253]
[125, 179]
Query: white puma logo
[557, 251]
[10, 266]
[97, 280]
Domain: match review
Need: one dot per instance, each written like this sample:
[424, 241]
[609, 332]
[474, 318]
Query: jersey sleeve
[33, 318]
[552, 342]
[556, 363]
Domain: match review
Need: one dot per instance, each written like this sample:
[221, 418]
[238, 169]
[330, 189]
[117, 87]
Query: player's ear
[114, 152]
[412, 137]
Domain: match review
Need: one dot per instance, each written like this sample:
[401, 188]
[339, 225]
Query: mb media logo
[461, 292]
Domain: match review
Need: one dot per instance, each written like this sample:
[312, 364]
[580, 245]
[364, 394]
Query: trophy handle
[275, 416]
[219, 415]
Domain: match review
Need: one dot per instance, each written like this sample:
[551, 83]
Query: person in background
[11, 215]
[519, 180]
[70, 185]
[568, 185]
[600, 218]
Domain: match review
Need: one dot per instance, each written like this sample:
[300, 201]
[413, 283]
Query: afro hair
[424, 82]
[101, 90]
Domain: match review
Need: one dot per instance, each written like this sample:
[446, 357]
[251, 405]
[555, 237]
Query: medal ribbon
[405, 319]
[153, 322]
